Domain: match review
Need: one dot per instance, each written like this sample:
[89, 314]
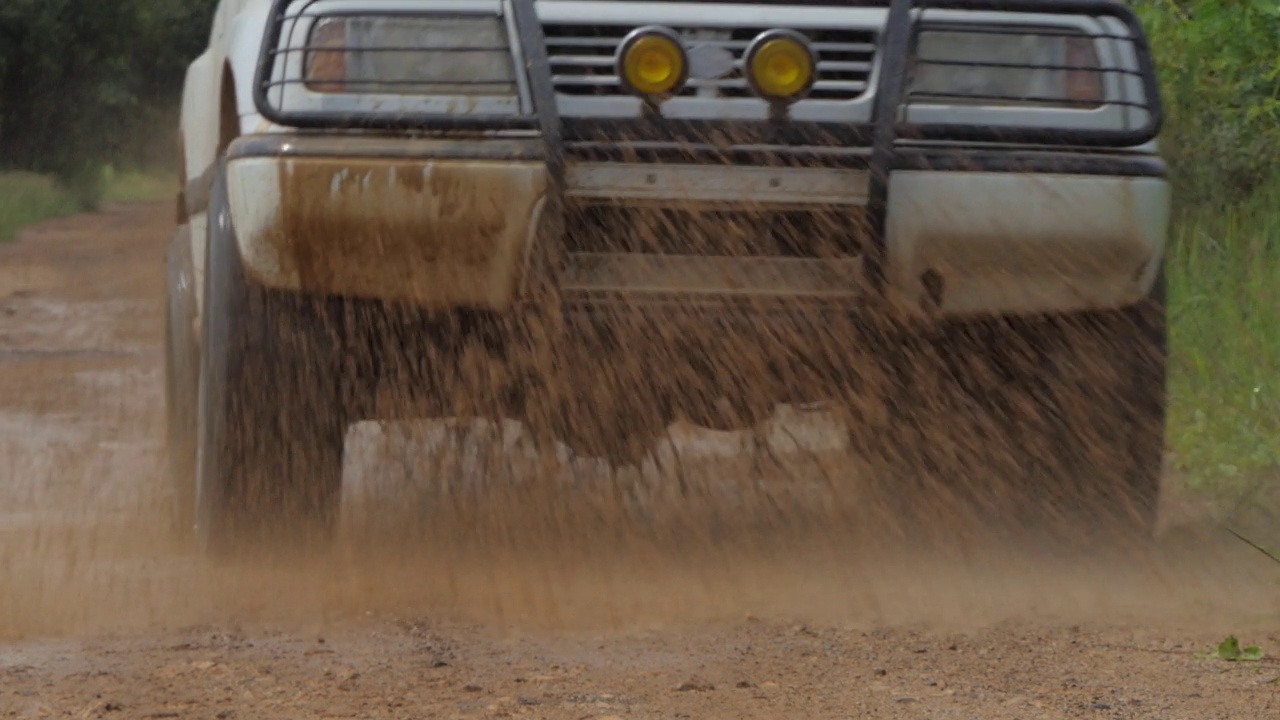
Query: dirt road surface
[107, 613]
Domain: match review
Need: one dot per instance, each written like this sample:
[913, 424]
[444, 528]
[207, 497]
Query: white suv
[600, 216]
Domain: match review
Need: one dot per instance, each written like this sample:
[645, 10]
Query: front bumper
[436, 228]
[1012, 243]
[459, 223]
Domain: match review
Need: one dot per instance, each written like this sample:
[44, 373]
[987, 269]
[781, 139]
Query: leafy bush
[86, 82]
[1224, 280]
[26, 198]
[1220, 70]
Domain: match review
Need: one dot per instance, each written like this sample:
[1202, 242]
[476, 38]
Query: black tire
[1119, 444]
[1051, 425]
[181, 380]
[271, 424]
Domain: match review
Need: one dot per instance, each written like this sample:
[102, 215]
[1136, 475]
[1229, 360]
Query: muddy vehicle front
[600, 217]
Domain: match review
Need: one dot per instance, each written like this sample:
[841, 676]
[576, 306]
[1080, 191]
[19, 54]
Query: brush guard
[1129, 83]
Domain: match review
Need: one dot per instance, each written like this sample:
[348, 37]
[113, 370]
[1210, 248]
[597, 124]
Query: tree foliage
[1220, 70]
[83, 82]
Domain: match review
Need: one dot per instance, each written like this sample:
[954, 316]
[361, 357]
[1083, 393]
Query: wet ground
[105, 612]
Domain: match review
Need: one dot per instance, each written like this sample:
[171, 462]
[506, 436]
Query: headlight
[651, 62]
[410, 56]
[780, 65]
[998, 68]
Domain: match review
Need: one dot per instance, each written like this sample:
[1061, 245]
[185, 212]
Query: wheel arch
[229, 114]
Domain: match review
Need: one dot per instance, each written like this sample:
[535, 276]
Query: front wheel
[181, 388]
[271, 425]
[1041, 425]
[1115, 373]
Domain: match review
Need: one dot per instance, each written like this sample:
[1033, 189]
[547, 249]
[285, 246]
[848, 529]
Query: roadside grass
[135, 186]
[1224, 280]
[28, 198]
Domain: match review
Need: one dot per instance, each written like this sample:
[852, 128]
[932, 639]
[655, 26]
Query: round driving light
[780, 65]
[652, 62]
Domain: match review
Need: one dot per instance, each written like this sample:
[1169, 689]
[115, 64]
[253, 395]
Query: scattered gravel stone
[695, 685]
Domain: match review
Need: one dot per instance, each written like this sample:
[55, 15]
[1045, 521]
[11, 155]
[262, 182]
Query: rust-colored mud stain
[443, 232]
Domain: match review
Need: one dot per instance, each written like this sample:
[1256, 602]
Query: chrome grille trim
[582, 59]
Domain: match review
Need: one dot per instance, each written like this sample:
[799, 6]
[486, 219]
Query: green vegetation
[137, 186]
[1221, 77]
[86, 83]
[1230, 650]
[26, 198]
[1225, 312]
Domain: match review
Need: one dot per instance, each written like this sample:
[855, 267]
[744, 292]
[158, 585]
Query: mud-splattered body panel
[1026, 243]
[455, 224]
[435, 232]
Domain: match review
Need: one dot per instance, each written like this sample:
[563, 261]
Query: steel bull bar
[887, 134]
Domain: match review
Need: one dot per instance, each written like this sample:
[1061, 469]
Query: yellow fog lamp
[780, 66]
[652, 62]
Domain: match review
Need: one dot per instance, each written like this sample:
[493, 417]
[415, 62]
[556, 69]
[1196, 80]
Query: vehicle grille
[582, 60]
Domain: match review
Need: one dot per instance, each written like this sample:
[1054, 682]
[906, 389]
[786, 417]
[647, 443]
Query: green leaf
[1229, 649]
[1253, 653]
[1268, 8]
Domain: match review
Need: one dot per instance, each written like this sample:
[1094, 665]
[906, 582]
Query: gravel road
[106, 613]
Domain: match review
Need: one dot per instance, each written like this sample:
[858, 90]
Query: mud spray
[878, 506]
